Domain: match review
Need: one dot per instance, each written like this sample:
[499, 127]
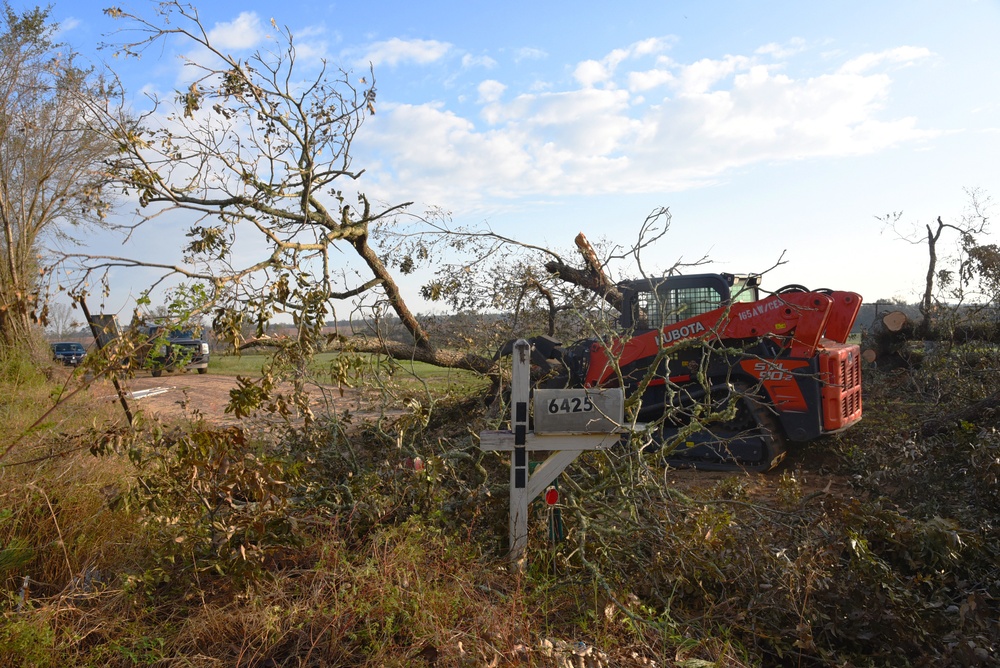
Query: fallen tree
[886, 343]
[249, 156]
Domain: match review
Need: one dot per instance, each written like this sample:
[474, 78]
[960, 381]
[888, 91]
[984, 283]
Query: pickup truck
[173, 349]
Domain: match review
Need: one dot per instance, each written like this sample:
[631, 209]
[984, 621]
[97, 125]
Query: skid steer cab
[727, 373]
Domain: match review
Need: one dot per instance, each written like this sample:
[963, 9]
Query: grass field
[334, 368]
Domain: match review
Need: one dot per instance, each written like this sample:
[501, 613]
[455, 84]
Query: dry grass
[59, 539]
[403, 593]
[377, 563]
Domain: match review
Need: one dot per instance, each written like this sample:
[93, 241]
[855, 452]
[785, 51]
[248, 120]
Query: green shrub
[27, 642]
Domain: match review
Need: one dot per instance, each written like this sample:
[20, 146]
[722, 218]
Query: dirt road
[185, 394]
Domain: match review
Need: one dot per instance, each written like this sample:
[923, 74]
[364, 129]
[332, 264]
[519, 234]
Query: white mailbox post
[567, 422]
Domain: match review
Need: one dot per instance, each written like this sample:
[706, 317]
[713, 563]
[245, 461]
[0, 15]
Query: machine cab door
[658, 302]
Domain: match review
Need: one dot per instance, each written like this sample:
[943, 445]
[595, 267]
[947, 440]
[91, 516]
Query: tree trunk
[15, 323]
[408, 351]
[15, 320]
[926, 305]
[894, 321]
[420, 337]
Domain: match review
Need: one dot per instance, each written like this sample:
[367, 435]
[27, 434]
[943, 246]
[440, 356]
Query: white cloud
[593, 72]
[395, 51]
[490, 91]
[650, 46]
[436, 154]
[649, 79]
[469, 61]
[529, 53]
[583, 124]
[599, 137]
[590, 73]
[903, 55]
[243, 32]
[699, 76]
[68, 25]
[312, 43]
[790, 48]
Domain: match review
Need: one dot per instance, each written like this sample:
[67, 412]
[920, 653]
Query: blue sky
[766, 127]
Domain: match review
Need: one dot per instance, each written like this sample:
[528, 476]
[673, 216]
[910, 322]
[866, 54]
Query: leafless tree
[967, 263]
[63, 320]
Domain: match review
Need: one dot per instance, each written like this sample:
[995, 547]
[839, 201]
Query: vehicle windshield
[184, 334]
[68, 347]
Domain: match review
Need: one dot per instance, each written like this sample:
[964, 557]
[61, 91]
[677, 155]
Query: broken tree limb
[408, 351]
[971, 413]
[592, 277]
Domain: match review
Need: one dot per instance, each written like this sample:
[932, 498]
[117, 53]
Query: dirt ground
[171, 396]
[182, 394]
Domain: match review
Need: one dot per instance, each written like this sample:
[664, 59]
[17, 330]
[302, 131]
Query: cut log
[894, 321]
[887, 344]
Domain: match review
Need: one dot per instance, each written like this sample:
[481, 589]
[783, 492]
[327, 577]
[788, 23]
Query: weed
[143, 651]
[27, 642]
[788, 492]
[15, 551]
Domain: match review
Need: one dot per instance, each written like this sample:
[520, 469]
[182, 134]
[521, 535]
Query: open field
[353, 369]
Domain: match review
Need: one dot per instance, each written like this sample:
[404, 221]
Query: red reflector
[552, 496]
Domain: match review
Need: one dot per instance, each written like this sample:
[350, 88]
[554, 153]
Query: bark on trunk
[409, 321]
[888, 342]
[408, 351]
[926, 305]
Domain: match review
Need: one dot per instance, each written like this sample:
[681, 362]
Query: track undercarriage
[748, 438]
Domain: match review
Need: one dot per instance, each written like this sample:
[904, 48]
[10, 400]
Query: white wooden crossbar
[519, 441]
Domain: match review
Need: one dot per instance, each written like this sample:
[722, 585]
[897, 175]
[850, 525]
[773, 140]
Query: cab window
[743, 291]
[670, 306]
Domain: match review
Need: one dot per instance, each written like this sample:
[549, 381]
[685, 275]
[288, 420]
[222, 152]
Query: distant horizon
[83, 332]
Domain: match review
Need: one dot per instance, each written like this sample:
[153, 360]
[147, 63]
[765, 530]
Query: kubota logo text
[682, 332]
